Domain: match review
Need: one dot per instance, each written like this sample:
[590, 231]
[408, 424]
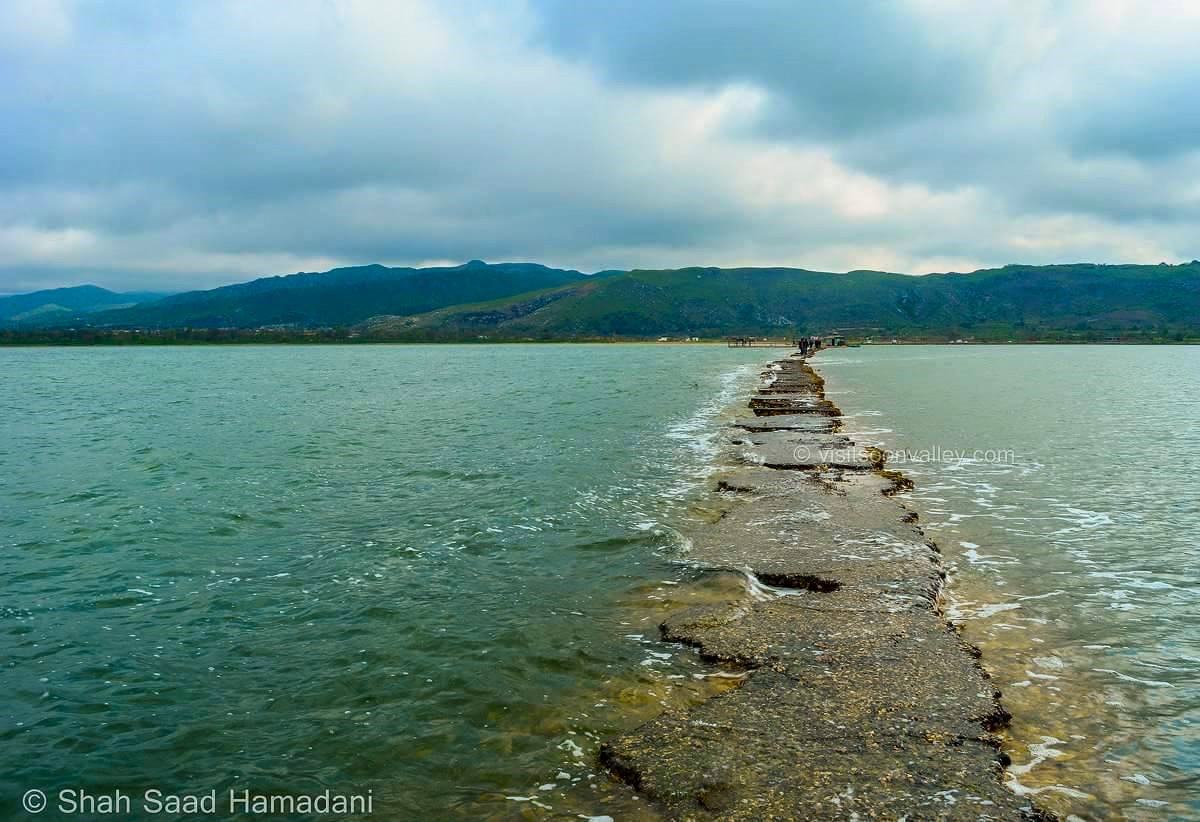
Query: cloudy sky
[179, 145]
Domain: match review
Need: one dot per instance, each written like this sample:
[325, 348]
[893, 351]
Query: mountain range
[531, 301]
[54, 305]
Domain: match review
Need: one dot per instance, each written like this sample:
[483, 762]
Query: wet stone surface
[817, 423]
[860, 701]
[802, 449]
[791, 403]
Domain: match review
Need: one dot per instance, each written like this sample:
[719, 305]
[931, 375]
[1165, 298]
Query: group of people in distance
[808, 345]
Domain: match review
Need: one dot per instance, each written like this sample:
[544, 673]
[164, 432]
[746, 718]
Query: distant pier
[813, 342]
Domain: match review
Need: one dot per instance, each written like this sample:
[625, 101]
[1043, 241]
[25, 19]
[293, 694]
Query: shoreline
[858, 698]
[317, 341]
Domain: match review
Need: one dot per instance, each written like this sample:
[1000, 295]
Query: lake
[434, 574]
[429, 572]
[1061, 484]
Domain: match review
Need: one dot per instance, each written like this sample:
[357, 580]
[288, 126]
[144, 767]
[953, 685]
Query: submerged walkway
[860, 701]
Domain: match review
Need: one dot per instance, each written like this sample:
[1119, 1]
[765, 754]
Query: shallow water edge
[857, 695]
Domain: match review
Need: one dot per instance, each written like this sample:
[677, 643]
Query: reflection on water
[1075, 567]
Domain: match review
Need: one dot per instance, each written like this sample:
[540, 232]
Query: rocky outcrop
[860, 701]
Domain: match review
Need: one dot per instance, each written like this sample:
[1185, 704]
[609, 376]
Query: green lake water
[1062, 483]
[426, 572]
[435, 573]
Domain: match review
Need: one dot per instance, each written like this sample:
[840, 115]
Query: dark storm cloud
[1152, 118]
[900, 96]
[834, 68]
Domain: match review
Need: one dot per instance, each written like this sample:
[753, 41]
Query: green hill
[51, 305]
[340, 297]
[1014, 301]
[530, 301]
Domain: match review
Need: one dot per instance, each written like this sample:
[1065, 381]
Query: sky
[178, 145]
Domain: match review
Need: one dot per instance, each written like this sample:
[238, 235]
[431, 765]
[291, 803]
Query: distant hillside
[340, 297]
[43, 307]
[530, 301]
[1014, 301]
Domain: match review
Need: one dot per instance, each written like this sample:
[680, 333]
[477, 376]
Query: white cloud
[34, 25]
[191, 144]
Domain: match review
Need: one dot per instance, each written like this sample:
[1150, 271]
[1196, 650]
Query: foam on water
[1070, 567]
[700, 434]
[301, 560]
